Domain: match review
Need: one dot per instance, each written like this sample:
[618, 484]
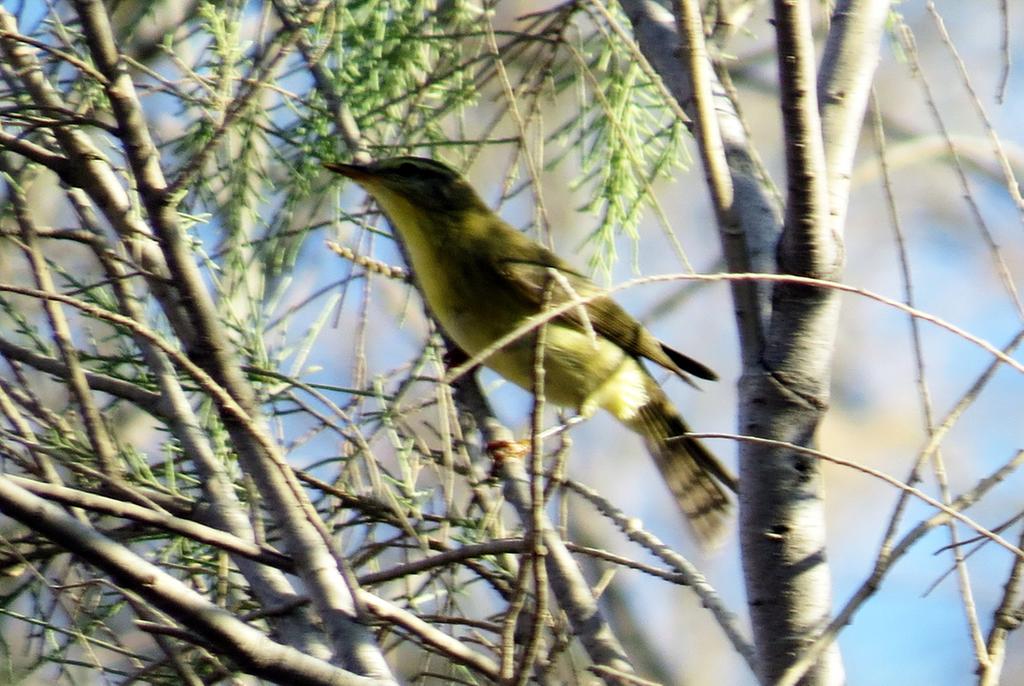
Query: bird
[482, 279]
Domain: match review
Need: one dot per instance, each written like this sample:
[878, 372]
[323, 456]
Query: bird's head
[421, 183]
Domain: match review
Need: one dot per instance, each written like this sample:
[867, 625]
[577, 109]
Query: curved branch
[252, 650]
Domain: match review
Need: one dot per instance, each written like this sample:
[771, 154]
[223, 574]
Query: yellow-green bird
[482, 279]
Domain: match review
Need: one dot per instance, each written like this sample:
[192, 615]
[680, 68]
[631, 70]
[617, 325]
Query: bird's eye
[408, 169]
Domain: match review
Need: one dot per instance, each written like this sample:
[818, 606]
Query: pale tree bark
[178, 285]
[258, 654]
[787, 332]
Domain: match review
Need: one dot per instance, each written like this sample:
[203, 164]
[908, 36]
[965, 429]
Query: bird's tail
[692, 473]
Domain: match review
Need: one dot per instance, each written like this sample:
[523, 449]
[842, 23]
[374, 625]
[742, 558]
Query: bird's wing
[602, 315]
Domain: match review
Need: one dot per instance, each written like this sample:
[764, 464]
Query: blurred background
[592, 162]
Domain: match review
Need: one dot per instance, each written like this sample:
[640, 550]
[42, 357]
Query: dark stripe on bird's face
[415, 168]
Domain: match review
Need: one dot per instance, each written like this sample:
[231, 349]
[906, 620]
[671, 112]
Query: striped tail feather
[693, 475]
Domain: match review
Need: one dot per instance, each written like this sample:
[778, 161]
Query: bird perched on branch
[482, 280]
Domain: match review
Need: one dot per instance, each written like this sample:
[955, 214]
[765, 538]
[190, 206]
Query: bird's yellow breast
[469, 299]
[580, 371]
[426, 245]
[476, 306]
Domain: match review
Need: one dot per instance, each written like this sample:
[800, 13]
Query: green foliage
[243, 107]
[624, 133]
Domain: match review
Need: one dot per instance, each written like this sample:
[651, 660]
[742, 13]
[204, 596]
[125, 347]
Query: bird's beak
[353, 171]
